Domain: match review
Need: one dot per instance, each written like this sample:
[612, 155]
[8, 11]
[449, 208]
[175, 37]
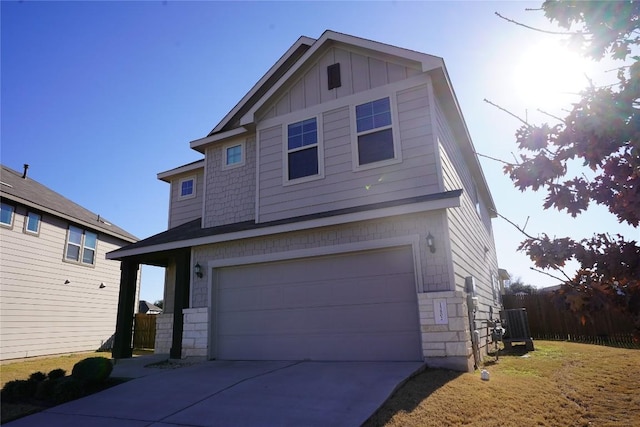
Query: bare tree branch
[551, 115]
[557, 33]
[549, 274]
[508, 112]
[493, 158]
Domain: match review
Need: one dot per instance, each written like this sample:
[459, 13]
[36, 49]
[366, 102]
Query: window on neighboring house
[32, 223]
[233, 156]
[187, 188]
[476, 199]
[81, 246]
[374, 132]
[6, 215]
[302, 149]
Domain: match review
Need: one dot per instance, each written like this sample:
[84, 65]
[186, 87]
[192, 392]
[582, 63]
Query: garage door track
[227, 393]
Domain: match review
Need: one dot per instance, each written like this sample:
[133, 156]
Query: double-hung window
[32, 223]
[374, 132]
[6, 215]
[81, 246]
[302, 149]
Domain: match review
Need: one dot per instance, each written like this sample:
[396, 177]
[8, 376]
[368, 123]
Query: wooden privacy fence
[144, 332]
[547, 321]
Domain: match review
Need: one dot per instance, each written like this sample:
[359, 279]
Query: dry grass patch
[21, 369]
[559, 384]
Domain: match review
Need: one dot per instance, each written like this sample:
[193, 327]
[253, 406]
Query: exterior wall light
[431, 243]
[198, 270]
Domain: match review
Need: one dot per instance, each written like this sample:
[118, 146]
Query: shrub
[92, 369]
[57, 373]
[37, 377]
[44, 391]
[18, 390]
[67, 389]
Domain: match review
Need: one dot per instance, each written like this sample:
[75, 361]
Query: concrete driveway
[225, 393]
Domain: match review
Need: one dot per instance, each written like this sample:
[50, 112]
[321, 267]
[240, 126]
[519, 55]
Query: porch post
[126, 301]
[180, 300]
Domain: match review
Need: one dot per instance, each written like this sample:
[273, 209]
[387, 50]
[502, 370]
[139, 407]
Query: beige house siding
[341, 186]
[187, 209]
[470, 233]
[360, 71]
[42, 315]
[230, 192]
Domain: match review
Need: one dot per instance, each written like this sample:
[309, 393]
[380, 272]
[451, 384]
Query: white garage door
[355, 306]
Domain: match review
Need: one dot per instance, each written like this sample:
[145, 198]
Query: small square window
[187, 188]
[6, 215]
[234, 155]
[32, 223]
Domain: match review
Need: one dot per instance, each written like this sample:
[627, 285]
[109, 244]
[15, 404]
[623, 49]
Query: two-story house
[58, 293]
[339, 213]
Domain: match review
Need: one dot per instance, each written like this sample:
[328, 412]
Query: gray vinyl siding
[185, 210]
[469, 232]
[359, 73]
[341, 187]
[230, 192]
[40, 314]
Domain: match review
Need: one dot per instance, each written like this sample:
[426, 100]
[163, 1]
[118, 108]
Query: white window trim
[285, 151]
[13, 215]
[242, 161]
[81, 246]
[395, 122]
[26, 223]
[193, 193]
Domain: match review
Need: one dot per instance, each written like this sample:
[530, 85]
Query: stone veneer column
[195, 337]
[164, 333]
[446, 345]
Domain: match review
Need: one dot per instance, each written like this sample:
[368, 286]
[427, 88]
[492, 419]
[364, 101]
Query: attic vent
[333, 76]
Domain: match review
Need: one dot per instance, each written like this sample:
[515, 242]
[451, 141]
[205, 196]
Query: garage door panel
[357, 306]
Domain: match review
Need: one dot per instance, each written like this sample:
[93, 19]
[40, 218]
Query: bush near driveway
[558, 384]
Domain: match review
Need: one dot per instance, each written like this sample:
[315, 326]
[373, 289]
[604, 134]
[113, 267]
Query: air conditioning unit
[516, 324]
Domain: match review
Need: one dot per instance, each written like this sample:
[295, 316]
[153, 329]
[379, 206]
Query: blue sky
[98, 97]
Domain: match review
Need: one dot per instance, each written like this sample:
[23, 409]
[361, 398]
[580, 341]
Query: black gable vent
[333, 76]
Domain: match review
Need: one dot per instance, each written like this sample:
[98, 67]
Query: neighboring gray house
[58, 293]
[339, 213]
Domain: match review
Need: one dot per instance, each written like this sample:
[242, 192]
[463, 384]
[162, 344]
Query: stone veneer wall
[446, 345]
[164, 333]
[195, 335]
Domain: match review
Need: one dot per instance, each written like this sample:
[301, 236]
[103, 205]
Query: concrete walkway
[224, 393]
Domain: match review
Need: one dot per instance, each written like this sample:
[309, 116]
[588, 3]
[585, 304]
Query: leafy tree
[601, 131]
[518, 286]
[159, 303]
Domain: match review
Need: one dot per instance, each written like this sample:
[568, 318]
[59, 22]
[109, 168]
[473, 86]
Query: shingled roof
[31, 193]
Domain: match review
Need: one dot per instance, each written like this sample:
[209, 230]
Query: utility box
[516, 324]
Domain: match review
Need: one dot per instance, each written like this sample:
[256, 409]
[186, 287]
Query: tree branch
[493, 158]
[549, 274]
[557, 33]
[508, 112]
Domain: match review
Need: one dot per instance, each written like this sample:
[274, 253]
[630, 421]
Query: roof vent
[24, 173]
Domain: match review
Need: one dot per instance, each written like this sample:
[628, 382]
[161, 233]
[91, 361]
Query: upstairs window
[81, 246]
[374, 132]
[233, 156]
[6, 215]
[32, 223]
[187, 188]
[302, 149]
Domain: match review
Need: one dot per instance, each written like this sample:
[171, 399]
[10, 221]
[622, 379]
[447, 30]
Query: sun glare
[550, 75]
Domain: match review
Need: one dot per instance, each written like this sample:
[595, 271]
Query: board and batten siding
[469, 230]
[230, 193]
[341, 186]
[188, 209]
[40, 314]
[359, 71]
